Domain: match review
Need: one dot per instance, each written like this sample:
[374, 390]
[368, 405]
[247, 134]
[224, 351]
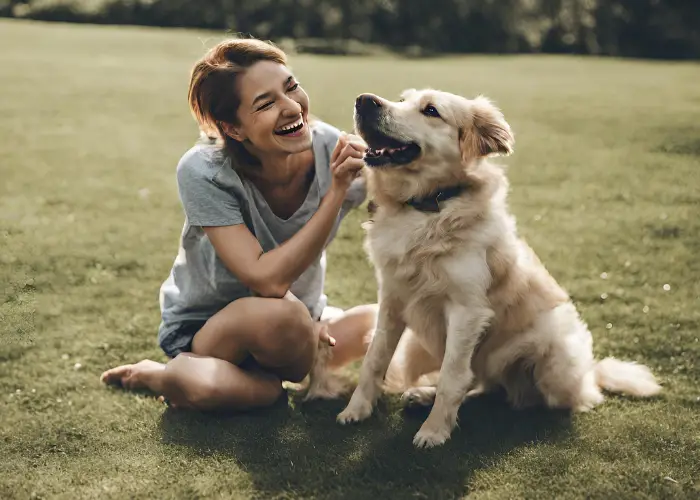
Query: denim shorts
[180, 339]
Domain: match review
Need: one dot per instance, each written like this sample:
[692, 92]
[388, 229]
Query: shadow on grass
[300, 450]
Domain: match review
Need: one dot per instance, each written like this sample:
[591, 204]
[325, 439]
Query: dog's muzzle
[383, 149]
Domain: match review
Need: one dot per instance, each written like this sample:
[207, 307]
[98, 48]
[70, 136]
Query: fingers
[347, 143]
[350, 165]
[324, 336]
[349, 151]
[328, 340]
[339, 146]
[357, 142]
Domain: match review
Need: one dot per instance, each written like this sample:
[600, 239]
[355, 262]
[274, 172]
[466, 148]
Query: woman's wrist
[335, 195]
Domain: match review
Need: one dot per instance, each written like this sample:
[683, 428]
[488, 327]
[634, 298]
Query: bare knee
[289, 339]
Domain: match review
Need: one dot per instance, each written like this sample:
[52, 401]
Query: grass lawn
[93, 120]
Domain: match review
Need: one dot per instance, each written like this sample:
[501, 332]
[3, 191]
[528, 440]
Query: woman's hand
[321, 329]
[347, 161]
[271, 274]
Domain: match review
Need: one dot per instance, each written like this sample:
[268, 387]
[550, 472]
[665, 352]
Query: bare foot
[136, 376]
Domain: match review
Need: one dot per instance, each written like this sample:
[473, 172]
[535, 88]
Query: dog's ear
[407, 93]
[486, 132]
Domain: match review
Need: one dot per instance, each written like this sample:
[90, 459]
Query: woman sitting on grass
[243, 308]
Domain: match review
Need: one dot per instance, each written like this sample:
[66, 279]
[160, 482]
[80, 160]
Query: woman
[243, 308]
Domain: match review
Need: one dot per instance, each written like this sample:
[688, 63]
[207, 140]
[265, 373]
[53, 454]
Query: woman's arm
[271, 274]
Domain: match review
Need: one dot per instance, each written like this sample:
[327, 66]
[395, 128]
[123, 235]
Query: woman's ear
[232, 131]
[487, 133]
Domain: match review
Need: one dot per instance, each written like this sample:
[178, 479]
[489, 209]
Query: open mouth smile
[292, 129]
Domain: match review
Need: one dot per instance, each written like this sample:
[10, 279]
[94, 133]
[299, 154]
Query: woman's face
[273, 111]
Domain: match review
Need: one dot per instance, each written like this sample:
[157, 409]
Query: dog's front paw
[357, 410]
[428, 437]
[418, 396]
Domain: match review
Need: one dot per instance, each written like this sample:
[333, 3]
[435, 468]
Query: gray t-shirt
[213, 194]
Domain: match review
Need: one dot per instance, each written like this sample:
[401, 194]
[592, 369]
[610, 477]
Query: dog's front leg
[390, 326]
[465, 326]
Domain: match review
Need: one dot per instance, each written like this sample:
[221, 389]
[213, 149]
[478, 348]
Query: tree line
[627, 28]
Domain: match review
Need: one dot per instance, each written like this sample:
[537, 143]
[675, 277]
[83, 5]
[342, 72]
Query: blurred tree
[636, 28]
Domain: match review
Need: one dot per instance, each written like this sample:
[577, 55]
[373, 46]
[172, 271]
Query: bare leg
[145, 374]
[353, 333]
[206, 383]
[199, 382]
[278, 334]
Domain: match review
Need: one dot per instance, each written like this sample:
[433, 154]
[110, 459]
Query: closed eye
[266, 105]
[430, 110]
[294, 87]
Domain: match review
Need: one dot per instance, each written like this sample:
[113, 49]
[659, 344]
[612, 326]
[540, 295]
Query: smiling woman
[243, 308]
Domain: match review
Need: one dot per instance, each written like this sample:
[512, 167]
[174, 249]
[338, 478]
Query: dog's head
[429, 138]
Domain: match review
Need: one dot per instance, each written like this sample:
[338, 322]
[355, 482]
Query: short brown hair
[212, 93]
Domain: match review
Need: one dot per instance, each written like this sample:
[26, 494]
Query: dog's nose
[367, 103]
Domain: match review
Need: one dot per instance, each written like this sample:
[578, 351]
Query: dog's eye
[402, 99]
[430, 110]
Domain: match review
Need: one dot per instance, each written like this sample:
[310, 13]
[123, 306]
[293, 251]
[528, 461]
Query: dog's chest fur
[390, 241]
[426, 261]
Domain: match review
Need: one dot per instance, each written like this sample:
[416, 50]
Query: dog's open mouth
[384, 150]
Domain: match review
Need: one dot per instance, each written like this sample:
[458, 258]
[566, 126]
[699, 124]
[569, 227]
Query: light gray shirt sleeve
[206, 202]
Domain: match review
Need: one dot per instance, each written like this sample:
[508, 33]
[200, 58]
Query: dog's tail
[626, 378]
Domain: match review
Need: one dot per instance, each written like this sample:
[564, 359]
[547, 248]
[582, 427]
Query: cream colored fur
[479, 305]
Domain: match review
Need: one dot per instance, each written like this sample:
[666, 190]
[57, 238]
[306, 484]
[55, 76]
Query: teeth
[390, 151]
[291, 126]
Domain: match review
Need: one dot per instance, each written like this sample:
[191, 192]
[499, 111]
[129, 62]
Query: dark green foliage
[636, 28]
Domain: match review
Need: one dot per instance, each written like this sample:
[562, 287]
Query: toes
[429, 439]
[128, 382]
[345, 418]
[104, 378]
[115, 375]
[351, 416]
[431, 435]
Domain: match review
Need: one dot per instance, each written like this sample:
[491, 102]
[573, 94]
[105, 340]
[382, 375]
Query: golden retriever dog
[479, 305]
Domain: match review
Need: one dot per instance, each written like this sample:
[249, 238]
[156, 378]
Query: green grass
[93, 120]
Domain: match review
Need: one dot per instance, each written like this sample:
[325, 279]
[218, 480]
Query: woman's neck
[277, 170]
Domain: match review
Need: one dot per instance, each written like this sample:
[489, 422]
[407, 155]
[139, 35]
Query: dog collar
[431, 203]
